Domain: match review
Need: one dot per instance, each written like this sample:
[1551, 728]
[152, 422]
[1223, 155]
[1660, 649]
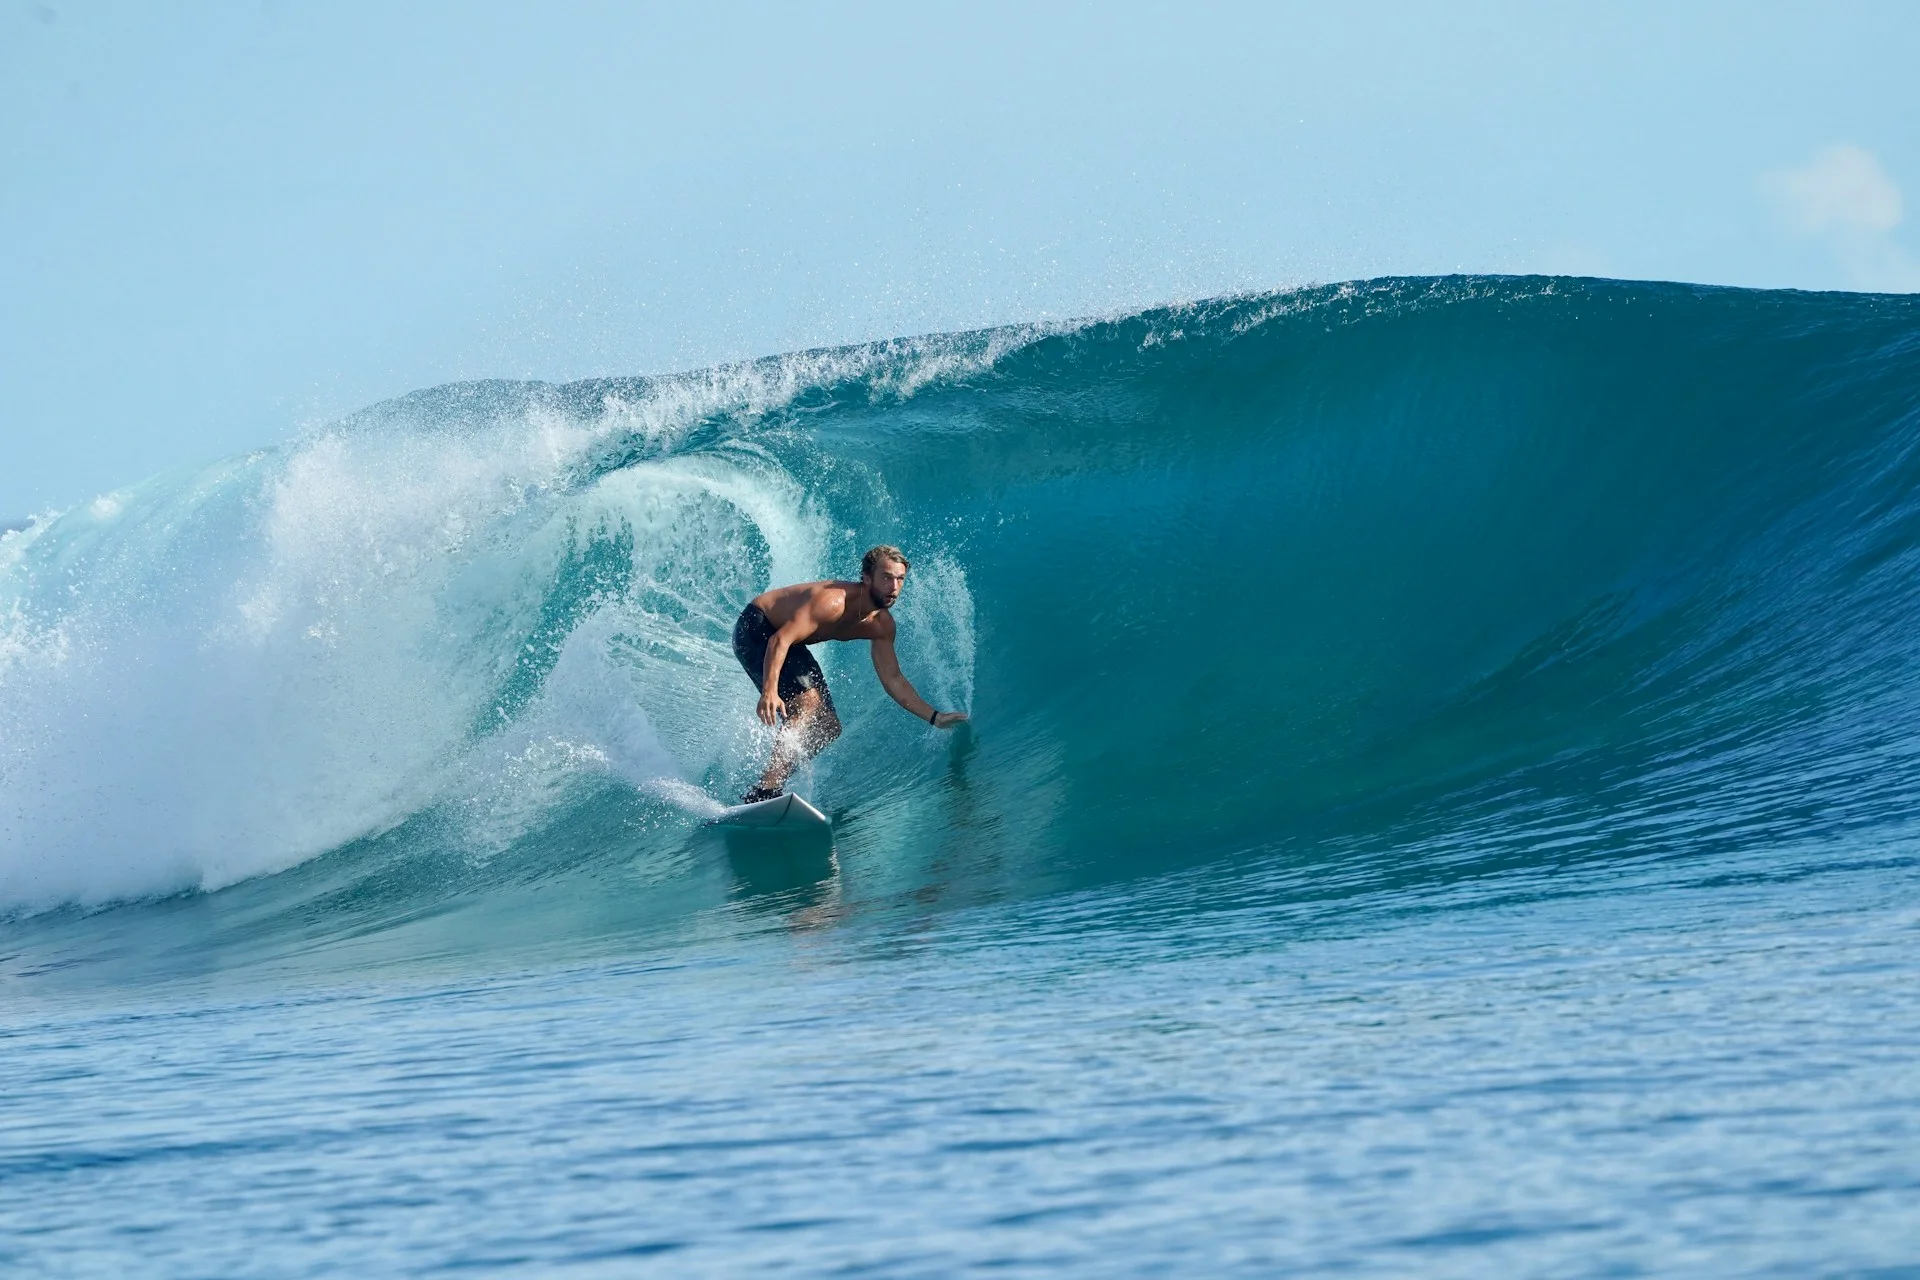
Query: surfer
[771, 640]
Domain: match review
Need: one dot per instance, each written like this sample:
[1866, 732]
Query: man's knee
[817, 721]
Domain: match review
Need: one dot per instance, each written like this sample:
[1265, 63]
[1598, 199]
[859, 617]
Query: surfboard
[782, 813]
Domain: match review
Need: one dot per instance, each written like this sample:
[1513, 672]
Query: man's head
[884, 571]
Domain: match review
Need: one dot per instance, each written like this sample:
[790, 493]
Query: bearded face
[884, 583]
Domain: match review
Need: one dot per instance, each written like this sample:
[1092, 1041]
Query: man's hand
[947, 719]
[771, 709]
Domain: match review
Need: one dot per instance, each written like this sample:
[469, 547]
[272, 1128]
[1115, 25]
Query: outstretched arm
[886, 665]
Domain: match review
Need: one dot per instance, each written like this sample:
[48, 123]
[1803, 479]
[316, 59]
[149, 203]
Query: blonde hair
[876, 556]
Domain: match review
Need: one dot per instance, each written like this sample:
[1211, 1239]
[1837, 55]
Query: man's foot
[758, 794]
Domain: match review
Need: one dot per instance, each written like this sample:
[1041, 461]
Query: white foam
[209, 679]
[936, 621]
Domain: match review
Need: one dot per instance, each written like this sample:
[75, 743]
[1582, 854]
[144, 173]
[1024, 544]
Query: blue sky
[222, 223]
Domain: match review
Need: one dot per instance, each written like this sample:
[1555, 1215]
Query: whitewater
[1438, 800]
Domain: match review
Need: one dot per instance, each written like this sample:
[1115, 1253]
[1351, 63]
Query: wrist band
[932, 716]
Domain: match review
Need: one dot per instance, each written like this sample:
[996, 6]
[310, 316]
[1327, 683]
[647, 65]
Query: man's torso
[832, 619]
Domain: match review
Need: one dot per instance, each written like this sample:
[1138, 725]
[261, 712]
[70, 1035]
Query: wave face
[1414, 577]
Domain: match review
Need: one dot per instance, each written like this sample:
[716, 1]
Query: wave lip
[1483, 571]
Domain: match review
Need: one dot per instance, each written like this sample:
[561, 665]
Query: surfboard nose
[780, 812]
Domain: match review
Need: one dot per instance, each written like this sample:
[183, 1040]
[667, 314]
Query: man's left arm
[886, 665]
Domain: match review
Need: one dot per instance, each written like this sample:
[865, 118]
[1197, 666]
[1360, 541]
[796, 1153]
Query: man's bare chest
[858, 629]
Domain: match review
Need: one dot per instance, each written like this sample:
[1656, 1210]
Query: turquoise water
[1437, 802]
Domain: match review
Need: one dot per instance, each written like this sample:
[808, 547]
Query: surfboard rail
[781, 813]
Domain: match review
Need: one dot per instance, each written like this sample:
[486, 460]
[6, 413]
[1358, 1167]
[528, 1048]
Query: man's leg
[811, 725]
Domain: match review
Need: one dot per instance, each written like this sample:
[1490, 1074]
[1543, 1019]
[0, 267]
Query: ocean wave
[1475, 572]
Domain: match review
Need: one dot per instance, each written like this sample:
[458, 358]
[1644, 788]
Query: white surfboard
[785, 813]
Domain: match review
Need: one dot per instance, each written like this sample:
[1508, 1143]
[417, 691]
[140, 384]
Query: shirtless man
[771, 640]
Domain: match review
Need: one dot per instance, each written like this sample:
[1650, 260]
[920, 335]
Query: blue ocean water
[1438, 802]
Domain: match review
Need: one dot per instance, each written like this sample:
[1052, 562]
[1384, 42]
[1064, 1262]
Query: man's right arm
[802, 624]
[770, 708]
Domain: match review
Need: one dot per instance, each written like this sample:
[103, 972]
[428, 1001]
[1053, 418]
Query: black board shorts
[751, 635]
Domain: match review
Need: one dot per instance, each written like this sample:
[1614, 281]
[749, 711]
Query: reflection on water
[783, 871]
